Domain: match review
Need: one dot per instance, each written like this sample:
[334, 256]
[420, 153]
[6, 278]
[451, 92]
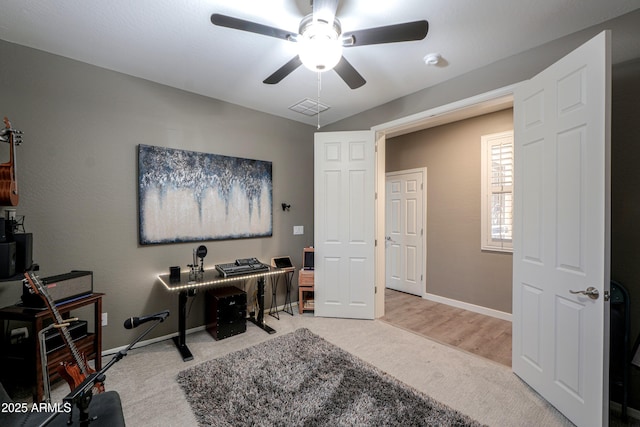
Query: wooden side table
[305, 290]
[90, 346]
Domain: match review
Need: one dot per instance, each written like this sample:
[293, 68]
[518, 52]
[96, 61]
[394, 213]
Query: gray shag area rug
[300, 379]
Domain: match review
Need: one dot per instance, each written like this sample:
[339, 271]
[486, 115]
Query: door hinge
[607, 295]
[422, 231]
[375, 242]
[375, 289]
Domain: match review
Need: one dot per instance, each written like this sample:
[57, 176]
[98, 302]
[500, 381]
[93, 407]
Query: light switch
[298, 229]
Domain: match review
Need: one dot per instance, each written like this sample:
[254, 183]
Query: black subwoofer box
[226, 311]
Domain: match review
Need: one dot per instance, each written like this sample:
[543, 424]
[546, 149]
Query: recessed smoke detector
[309, 107]
[432, 59]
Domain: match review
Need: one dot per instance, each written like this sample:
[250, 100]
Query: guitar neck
[12, 155]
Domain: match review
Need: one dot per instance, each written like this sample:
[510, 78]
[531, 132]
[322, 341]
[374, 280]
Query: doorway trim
[485, 103]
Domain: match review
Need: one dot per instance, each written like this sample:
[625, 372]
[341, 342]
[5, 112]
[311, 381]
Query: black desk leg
[259, 320]
[273, 310]
[181, 339]
[288, 308]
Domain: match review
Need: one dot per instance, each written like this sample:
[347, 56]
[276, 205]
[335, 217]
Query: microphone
[134, 322]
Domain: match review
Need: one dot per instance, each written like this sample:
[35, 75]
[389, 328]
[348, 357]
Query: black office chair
[106, 407]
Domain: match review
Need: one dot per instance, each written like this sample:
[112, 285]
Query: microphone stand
[82, 395]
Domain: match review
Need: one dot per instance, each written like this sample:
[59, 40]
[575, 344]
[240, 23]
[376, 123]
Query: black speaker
[7, 259]
[226, 312]
[174, 274]
[24, 251]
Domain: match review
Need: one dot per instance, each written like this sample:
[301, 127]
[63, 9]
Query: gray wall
[451, 154]
[77, 175]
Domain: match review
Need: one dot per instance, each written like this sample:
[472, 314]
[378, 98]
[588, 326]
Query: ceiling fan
[321, 40]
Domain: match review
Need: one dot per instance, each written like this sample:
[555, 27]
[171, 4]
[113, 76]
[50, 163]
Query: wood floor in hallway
[472, 332]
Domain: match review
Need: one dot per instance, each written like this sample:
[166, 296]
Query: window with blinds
[497, 192]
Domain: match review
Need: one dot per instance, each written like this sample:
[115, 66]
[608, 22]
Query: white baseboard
[175, 334]
[469, 307]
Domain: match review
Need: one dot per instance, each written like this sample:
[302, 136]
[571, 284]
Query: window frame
[486, 143]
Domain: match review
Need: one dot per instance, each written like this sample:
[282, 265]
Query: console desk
[211, 279]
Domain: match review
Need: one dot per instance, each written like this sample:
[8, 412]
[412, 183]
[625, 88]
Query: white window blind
[497, 192]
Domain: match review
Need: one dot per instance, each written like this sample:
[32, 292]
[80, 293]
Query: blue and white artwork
[186, 196]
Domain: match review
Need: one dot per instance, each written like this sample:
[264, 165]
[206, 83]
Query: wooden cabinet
[27, 356]
[305, 290]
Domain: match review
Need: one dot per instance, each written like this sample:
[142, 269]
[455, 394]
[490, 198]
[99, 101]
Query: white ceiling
[174, 43]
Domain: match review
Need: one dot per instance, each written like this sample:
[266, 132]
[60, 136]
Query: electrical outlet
[105, 319]
[298, 229]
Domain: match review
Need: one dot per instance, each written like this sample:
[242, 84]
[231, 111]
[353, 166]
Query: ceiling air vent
[309, 107]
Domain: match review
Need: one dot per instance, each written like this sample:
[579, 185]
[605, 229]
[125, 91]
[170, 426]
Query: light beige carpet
[485, 391]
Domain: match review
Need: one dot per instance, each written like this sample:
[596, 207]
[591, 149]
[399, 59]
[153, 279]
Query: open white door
[344, 203]
[561, 234]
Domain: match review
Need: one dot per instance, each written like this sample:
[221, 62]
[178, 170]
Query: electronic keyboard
[241, 266]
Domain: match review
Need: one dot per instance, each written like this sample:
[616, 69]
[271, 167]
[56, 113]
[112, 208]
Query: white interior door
[344, 204]
[561, 235]
[405, 233]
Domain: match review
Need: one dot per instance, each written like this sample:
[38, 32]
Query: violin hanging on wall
[8, 178]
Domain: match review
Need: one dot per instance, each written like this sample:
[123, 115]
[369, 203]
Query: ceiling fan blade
[408, 31]
[252, 27]
[351, 77]
[283, 71]
[324, 10]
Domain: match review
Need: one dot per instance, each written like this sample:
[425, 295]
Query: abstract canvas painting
[187, 196]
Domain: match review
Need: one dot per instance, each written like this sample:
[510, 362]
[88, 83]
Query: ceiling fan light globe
[320, 47]
[320, 53]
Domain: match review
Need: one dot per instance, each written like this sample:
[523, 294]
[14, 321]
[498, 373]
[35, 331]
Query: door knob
[591, 292]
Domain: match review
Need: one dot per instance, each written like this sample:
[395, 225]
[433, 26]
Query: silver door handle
[591, 292]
